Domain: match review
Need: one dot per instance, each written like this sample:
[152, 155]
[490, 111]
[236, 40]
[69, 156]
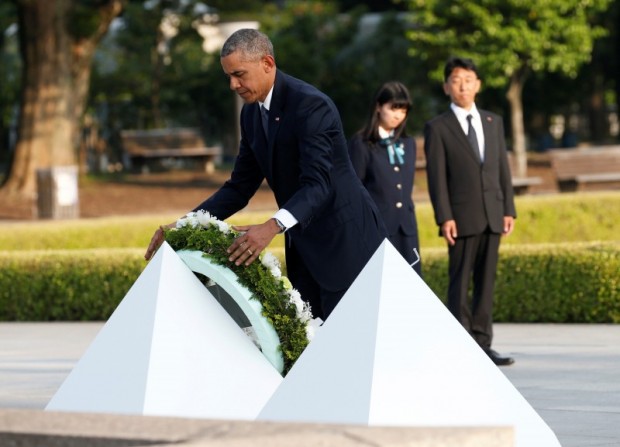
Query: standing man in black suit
[471, 191]
[292, 136]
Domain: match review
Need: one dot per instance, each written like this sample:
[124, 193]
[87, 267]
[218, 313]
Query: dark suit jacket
[306, 164]
[391, 189]
[474, 194]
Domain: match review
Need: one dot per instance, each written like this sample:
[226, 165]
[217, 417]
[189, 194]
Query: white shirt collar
[461, 113]
[267, 103]
[476, 122]
[384, 133]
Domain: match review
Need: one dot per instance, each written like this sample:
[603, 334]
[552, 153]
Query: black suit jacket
[390, 188]
[476, 195]
[305, 162]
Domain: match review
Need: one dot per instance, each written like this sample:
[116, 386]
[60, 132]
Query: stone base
[34, 428]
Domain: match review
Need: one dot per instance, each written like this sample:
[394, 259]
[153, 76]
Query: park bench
[521, 185]
[575, 169]
[142, 147]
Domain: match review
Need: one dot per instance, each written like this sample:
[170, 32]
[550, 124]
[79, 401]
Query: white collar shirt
[267, 103]
[385, 133]
[282, 215]
[476, 122]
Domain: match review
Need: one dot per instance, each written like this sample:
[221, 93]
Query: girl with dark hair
[384, 159]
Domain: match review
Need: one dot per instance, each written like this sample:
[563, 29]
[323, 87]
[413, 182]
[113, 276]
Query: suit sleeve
[505, 177]
[318, 130]
[360, 156]
[437, 173]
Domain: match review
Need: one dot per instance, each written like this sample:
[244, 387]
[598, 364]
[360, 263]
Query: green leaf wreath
[282, 305]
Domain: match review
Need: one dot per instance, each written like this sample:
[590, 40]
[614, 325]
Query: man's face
[462, 86]
[252, 80]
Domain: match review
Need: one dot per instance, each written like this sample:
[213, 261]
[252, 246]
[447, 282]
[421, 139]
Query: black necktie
[264, 114]
[471, 136]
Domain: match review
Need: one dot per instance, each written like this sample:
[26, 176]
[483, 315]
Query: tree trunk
[55, 79]
[514, 95]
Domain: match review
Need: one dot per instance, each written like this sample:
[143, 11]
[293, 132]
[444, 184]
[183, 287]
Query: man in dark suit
[471, 191]
[292, 136]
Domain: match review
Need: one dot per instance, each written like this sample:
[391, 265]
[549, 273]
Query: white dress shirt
[282, 215]
[476, 122]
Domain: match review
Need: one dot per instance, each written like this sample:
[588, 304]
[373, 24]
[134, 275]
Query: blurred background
[76, 74]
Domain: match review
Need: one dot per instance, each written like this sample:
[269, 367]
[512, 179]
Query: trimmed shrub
[565, 283]
[66, 285]
[555, 283]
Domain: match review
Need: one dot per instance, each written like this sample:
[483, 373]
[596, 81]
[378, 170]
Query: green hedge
[65, 285]
[560, 283]
[563, 283]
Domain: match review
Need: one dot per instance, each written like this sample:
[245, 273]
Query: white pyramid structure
[169, 349]
[391, 354]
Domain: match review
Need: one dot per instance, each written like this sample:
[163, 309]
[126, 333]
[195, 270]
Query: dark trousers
[474, 257]
[405, 244]
[321, 301]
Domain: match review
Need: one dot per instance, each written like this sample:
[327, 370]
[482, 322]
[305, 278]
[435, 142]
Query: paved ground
[569, 373]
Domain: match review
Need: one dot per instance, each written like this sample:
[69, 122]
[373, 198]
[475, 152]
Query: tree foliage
[506, 36]
[348, 56]
[144, 79]
[508, 39]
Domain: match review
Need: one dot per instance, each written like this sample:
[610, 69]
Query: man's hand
[157, 240]
[448, 230]
[509, 225]
[252, 242]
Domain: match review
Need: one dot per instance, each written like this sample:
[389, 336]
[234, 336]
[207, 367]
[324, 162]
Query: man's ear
[268, 62]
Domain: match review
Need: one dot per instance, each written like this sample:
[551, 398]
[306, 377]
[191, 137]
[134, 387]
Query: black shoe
[498, 359]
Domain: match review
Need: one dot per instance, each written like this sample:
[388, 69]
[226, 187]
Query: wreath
[281, 304]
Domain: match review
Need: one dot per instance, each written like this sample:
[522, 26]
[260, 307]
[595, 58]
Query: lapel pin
[489, 119]
[277, 118]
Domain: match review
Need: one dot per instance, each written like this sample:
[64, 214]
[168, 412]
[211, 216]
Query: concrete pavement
[570, 374]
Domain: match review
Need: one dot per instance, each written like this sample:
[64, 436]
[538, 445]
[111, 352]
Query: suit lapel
[455, 127]
[276, 115]
[490, 131]
[258, 122]
[260, 140]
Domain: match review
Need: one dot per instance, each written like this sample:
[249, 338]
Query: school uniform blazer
[305, 162]
[476, 195]
[390, 186]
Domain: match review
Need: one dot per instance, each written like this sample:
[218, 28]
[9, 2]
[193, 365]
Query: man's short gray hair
[252, 44]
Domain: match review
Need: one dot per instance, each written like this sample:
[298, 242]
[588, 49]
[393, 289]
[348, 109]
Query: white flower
[312, 326]
[189, 219]
[302, 309]
[271, 262]
[193, 222]
[181, 222]
[203, 218]
[223, 226]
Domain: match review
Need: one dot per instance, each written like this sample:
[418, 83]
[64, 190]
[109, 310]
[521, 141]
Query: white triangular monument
[169, 349]
[391, 354]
